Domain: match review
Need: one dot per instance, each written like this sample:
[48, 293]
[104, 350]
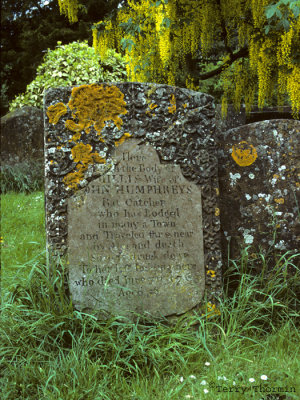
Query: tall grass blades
[22, 177]
[49, 350]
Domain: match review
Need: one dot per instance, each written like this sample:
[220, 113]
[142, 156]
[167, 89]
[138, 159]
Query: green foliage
[73, 64]
[29, 27]
[278, 14]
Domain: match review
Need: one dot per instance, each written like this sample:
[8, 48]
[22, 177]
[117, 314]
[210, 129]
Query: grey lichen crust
[178, 123]
[260, 200]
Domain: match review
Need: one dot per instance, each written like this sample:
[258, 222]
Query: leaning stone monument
[132, 197]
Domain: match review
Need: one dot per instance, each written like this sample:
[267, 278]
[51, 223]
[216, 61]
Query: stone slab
[132, 197]
[136, 237]
[259, 169]
[22, 136]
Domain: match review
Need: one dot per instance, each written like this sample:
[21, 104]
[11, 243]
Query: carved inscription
[135, 237]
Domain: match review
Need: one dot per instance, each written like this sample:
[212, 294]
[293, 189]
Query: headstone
[259, 184]
[232, 119]
[22, 136]
[132, 197]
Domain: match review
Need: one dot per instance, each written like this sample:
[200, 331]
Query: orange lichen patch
[97, 158]
[211, 273]
[152, 106]
[122, 139]
[275, 176]
[244, 154]
[298, 184]
[80, 152]
[172, 108]
[72, 126]
[94, 104]
[55, 112]
[184, 105]
[72, 179]
[100, 137]
[217, 212]
[279, 201]
[217, 191]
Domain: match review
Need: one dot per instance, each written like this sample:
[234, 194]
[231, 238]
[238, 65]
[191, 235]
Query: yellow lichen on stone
[55, 112]
[172, 108]
[244, 154]
[211, 272]
[152, 106]
[217, 212]
[217, 191]
[211, 310]
[91, 106]
[72, 126]
[94, 104]
[80, 152]
[122, 139]
[279, 201]
[72, 179]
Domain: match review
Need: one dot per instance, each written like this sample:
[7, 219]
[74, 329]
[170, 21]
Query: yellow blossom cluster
[69, 8]
[163, 36]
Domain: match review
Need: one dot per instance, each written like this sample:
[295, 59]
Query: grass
[48, 350]
[25, 176]
[23, 235]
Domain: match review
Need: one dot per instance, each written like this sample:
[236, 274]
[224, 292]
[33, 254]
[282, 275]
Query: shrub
[75, 63]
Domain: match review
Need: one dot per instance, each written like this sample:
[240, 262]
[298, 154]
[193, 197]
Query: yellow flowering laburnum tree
[254, 45]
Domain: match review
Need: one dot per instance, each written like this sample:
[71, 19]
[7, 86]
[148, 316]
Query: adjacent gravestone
[259, 173]
[22, 136]
[131, 197]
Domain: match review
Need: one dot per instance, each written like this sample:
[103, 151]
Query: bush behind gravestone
[68, 65]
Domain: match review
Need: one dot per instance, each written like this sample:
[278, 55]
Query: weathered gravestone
[131, 197]
[259, 170]
[22, 136]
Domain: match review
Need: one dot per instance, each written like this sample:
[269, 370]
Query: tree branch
[243, 52]
[224, 30]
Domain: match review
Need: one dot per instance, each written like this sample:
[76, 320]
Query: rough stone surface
[259, 186]
[139, 226]
[233, 118]
[90, 184]
[22, 133]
